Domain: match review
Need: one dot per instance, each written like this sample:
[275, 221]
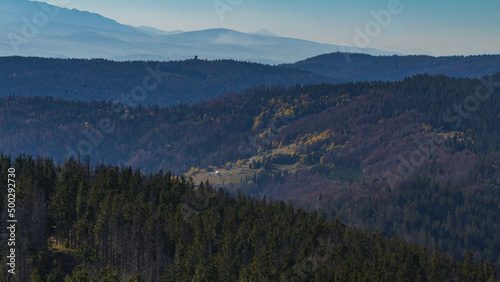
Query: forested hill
[192, 81]
[418, 158]
[77, 222]
[139, 82]
[365, 117]
[361, 67]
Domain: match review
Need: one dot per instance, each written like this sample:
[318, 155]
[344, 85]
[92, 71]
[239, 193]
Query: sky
[445, 27]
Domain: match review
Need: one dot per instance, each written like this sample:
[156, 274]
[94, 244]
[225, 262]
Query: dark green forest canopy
[192, 81]
[363, 67]
[140, 82]
[116, 223]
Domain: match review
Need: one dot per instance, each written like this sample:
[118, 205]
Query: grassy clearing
[235, 173]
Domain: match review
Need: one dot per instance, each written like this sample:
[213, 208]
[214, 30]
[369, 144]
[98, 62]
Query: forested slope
[417, 158]
[375, 121]
[107, 224]
[362, 67]
[140, 82]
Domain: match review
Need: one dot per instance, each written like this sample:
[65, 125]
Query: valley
[247, 141]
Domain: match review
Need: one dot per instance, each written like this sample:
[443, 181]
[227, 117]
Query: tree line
[82, 223]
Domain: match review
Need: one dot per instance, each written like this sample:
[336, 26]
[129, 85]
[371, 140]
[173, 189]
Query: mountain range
[139, 154]
[30, 28]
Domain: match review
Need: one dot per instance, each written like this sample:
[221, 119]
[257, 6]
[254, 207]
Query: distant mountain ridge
[192, 81]
[157, 32]
[38, 29]
[362, 67]
[180, 82]
[47, 19]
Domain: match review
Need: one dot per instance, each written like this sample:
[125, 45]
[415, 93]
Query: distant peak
[264, 32]
[155, 31]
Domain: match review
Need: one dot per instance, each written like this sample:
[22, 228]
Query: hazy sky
[442, 27]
